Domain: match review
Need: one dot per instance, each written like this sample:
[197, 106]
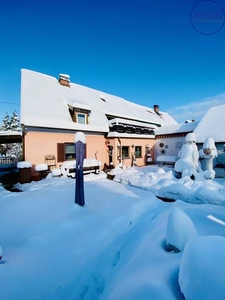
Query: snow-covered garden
[125, 243]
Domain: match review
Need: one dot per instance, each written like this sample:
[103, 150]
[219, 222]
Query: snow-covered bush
[202, 270]
[180, 230]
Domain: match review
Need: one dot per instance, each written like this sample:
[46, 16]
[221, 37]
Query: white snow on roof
[130, 135]
[10, 132]
[176, 128]
[44, 103]
[72, 103]
[212, 125]
[64, 75]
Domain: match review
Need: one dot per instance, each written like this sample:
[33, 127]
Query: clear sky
[144, 51]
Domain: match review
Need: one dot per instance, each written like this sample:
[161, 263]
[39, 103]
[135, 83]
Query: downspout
[23, 141]
[120, 160]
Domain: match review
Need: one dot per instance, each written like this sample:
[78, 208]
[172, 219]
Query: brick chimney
[156, 109]
[64, 79]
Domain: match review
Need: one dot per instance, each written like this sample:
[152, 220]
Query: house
[54, 109]
[170, 138]
[212, 125]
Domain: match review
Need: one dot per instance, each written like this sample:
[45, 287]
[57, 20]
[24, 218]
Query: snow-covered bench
[90, 165]
[167, 159]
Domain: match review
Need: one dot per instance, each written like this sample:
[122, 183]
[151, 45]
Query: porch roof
[176, 128]
[10, 137]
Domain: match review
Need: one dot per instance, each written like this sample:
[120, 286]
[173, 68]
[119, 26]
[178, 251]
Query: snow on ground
[112, 248]
[163, 183]
[197, 258]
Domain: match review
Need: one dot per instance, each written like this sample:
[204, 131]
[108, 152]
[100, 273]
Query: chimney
[64, 79]
[156, 109]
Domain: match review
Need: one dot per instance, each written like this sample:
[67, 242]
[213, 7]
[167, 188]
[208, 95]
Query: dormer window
[79, 113]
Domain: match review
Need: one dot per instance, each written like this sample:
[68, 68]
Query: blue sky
[144, 51]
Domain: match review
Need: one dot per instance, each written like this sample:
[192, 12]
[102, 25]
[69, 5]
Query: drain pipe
[120, 150]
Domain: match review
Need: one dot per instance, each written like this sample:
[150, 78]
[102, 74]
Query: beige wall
[38, 144]
[117, 143]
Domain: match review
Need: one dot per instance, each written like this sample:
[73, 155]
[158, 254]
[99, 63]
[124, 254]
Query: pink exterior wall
[38, 144]
[115, 142]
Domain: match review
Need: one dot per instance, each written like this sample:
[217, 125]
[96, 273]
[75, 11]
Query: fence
[8, 160]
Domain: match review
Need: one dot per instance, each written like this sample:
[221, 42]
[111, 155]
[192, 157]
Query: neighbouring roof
[44, 103]
[212, 125]
[10, 136]
[176, 128]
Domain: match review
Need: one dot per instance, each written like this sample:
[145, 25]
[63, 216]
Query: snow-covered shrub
[202, 271]
[180, 230]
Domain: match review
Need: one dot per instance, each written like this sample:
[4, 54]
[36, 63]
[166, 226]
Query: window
[81, 118]
[69, 151]
[66, 151]
[79, 115]
[137, 151]
[125, 152]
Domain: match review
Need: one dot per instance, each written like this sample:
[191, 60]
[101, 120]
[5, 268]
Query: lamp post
[80, 142]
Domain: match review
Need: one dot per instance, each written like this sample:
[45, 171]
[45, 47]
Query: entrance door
[110, 154]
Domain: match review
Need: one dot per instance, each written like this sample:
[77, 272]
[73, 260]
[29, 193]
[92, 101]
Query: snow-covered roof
[78, 105]
[8, 136]
[130, 135]
[44, 103]
[212, 125]
[10, 133]
[64, 75]
[176, 128]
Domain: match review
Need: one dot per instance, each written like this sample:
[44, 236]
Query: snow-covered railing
[68, 168]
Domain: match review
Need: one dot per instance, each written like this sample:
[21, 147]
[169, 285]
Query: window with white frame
[79, 115]
[81, 118]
